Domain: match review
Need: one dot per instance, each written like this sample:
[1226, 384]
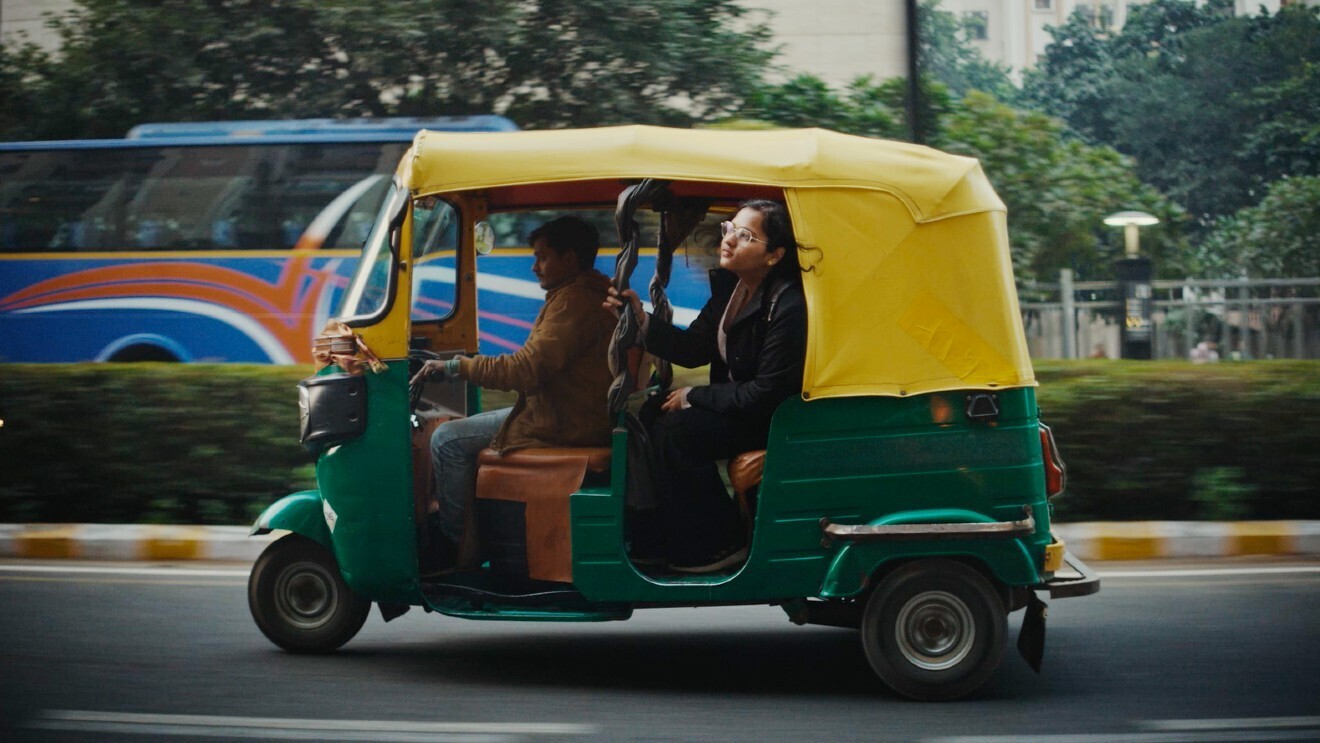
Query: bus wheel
[934, 630]
[300, 601]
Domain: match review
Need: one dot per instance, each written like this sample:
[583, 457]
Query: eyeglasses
[743, 235]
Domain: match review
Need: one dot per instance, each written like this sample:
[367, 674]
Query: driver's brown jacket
[561, 374]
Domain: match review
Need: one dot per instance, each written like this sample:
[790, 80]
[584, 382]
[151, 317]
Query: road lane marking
[1242, 723]
[1200, 736]
[280, 728]
[1223, 730]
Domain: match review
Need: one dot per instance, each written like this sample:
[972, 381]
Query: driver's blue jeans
[454, 449]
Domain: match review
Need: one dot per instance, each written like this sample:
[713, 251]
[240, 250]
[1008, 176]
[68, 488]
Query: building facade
[27, 19]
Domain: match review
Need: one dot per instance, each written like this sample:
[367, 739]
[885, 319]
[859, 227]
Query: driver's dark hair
[566, 233]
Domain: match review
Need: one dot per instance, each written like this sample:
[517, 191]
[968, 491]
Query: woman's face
[750, 259]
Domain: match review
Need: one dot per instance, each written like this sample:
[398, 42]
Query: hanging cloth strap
[678, 217]
[626, 344]
[678, 221]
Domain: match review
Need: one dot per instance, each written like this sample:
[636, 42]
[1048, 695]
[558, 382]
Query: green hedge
[207, 444]
[1173, 440]
[153, 443]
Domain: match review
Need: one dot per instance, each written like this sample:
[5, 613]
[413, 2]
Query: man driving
[561, 375]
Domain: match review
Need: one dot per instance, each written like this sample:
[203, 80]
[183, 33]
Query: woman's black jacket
[766, 347]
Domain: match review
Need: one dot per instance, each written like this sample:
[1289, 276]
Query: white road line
[280, 728]
[1242, 723]
[1206, 736]
[1175, 731]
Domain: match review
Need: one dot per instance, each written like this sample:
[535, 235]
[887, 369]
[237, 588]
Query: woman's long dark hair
[778, 229]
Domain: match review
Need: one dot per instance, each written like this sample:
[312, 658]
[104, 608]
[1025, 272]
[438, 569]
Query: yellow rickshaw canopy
[910, 283]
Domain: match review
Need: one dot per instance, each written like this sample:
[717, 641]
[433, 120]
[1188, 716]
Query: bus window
[209, 241]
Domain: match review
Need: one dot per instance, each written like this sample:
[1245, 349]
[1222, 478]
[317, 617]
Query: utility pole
[916, 126]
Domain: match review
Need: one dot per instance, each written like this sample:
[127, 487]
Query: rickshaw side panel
[878, 460]
[864, 460]
[366, 485]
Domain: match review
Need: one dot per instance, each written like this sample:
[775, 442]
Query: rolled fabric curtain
[625, 345]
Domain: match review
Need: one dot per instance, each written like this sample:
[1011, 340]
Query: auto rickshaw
[906, 492]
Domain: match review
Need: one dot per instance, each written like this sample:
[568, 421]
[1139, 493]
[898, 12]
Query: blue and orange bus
[220, 241]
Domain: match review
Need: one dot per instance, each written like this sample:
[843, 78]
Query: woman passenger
[753, 333]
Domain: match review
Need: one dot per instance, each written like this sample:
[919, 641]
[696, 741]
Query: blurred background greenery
[215, 444]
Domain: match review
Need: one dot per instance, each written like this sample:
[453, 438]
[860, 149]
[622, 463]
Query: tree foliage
[945, 53]
[1058, 191]
[1212, 107]
[864, 107]
[1277, 238]
[544, 63]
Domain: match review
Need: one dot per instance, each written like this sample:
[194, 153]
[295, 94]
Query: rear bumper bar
[1085, 583]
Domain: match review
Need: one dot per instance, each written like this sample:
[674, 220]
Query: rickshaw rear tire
[934, 630]
[300, 601]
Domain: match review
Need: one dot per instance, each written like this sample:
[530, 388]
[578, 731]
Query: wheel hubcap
[935, 630]
[305, 595]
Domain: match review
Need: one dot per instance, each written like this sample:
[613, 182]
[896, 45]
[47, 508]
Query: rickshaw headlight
[332, 409]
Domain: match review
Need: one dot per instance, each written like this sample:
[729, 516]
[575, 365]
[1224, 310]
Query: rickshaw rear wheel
[934, 630]
[300, 601]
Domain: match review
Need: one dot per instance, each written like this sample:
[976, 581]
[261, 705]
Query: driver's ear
[776, 256]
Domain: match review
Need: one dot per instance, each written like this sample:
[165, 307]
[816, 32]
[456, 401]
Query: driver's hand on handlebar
[443, 369]
[614, 302]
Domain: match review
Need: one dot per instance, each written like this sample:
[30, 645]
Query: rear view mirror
[484, 237]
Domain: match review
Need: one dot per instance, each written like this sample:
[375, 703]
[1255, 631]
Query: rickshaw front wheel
[300, 601]
[934, 630]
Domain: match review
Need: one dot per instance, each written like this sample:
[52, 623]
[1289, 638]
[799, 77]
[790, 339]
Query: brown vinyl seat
[542, 480]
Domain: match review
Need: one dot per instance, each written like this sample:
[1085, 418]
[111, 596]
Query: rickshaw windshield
[372, 285]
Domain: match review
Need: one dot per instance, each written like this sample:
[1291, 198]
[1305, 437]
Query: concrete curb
[131, 542]
[1099, 541]
[1149, 540]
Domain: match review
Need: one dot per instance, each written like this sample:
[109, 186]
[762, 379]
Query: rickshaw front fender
[300, 513]
[1008, 560]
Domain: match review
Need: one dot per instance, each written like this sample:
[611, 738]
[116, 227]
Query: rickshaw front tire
[934, 630]
[300, 601]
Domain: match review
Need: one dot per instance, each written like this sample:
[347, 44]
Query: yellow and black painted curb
[1150, 540]
[129, 542]
[1098, 541]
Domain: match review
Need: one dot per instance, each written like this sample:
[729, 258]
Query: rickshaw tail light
[1056, 472]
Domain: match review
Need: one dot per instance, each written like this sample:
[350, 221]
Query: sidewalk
[1099, 541]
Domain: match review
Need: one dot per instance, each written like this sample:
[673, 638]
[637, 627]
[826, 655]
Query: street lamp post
[1134, 276]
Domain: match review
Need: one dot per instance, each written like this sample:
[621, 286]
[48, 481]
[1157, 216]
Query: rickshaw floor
[486, 587]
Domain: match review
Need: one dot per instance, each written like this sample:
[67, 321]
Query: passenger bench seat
[542, 480]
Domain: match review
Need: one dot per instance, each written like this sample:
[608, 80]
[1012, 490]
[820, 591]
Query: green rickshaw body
[906, 492]
[866, 460]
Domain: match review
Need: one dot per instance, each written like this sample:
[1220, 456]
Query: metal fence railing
[1200, 319]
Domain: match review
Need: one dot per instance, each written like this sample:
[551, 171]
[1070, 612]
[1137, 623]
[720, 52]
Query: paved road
[1211, 652]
